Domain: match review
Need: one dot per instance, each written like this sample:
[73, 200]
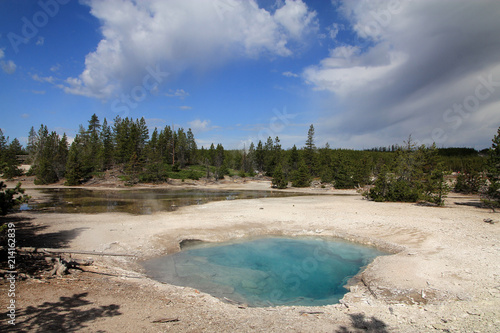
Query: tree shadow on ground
[360, 324]
[27, 234]
[69, 314]
[477, 204]
[31, 235]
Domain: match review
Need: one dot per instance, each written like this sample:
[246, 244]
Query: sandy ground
[444, 274]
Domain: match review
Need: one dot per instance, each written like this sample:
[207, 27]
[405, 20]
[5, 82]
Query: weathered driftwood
[166, 320]
[49, 251]
[310, 312]
[60, 266]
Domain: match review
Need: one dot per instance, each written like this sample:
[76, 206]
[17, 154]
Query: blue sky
[365, 73]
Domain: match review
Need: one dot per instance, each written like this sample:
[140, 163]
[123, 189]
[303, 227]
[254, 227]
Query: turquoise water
[267, 271]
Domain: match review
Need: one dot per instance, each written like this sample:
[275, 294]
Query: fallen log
[166, 320]
[310, 312]
[49, 251]
[60, 267]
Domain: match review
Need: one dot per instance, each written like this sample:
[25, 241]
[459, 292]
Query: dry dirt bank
[445, 276]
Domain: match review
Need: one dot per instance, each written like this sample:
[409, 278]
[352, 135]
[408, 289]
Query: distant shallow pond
[137, 202]
[267, 271]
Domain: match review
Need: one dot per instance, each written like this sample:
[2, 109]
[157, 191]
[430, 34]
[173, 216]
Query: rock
[439, 326]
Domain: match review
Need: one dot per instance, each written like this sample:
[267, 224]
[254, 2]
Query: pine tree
[9, 198]
[380, 191]
[259, 156]
[143, 135]
[211, 155]
[94, 145]
[74, 172]
[133, 169]
[107, 146]
[310, 145]
[437, 187]
[301, 177]
[279, 181]
[154, 171]
[343, 174]
[3, 147]
[8, 161]
[269, 157]
[417, 175]
[31, 147]
[492, 195]
[86, 155]
[46, 151]
[220, 167]
[294, 158]
[61, 157]
[45, 172]
[250, 160]
[310, 150]
[182, 149]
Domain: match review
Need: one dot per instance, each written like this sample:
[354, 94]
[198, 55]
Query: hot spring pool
[267, 271]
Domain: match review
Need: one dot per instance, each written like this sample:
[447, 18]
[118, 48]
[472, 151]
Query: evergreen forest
[128, 149]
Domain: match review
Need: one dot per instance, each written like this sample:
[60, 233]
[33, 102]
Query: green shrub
[9, 198]
[279, 180]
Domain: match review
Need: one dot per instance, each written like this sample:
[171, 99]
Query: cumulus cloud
[43, 79]
[198, 125]
[415, 65]
[8, 66]
[183, 34]
[55, 68]
[334, 29]
[180, 93]
[290, 74]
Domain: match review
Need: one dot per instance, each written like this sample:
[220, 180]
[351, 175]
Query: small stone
[439, 326]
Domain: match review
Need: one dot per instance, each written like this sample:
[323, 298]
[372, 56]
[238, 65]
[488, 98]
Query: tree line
[398, 173]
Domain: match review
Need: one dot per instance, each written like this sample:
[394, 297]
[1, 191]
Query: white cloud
[38, 92]
[55, 68]
[8, 66]
[185, 107]
[333, 30]
[411, 62]
[180, 93]
[182, 34]
[25, 116]
[40, 41]
[343, 79]
[296, 17]
[43, 79]
[198, 125]
[290, 74]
